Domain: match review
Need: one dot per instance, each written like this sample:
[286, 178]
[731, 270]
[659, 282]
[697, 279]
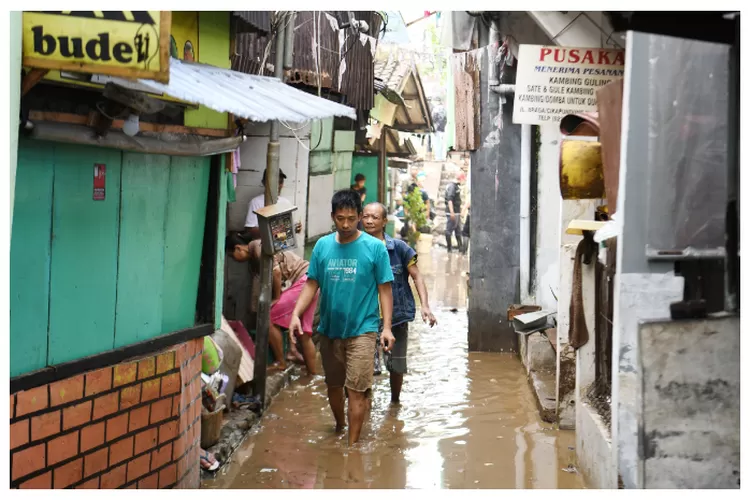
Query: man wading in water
[352, 271]
[403, 260]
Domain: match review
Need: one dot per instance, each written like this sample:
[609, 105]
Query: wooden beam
[74, 119]
[382, 162]
[183, 146]
[31, 79]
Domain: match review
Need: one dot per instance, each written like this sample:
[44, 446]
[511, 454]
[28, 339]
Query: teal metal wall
[88, 276]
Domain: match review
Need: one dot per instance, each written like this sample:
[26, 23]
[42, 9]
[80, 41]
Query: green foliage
[414, 210]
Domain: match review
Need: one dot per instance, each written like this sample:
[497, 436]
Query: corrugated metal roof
[252, 21]
[396, 68]
[343, 63]
[392, 67]
[257, 98]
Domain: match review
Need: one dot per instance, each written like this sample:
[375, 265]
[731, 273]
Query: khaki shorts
[348, 362]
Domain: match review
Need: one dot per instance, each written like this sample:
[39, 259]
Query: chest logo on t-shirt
[342, 269]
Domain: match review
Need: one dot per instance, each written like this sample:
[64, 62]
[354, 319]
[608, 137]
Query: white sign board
[552, 82]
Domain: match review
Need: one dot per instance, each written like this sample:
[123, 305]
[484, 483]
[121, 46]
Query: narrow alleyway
[467, 420]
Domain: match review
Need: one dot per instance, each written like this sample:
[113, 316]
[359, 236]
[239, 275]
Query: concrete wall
[593, 435]
[545, 281]
[594, 448]
[293, 160]
[691, 403]
[643, 290]
[495, 193]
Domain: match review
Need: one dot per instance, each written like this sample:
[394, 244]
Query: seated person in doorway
[289, 278]
[252, 231]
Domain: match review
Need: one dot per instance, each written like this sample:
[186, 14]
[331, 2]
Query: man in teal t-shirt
[352, 270]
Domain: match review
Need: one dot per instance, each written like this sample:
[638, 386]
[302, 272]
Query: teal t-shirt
[348, 276]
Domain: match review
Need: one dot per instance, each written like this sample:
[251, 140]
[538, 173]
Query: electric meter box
[276, 228]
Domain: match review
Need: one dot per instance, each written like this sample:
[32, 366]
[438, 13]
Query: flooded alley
[466, 420]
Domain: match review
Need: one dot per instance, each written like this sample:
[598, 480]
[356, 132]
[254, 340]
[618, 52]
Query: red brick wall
[132, 425]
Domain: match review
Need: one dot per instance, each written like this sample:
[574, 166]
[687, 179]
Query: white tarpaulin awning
[256, 98]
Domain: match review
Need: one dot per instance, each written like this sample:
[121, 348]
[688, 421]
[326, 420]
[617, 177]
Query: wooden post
[266, 266]
[382, 159]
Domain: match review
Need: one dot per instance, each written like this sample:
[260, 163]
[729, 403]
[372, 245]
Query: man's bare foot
[340, 428]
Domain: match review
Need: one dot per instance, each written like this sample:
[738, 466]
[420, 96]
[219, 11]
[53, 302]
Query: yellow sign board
[127, 44]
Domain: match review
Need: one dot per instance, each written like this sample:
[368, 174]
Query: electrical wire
[601, 30]
[567, 26]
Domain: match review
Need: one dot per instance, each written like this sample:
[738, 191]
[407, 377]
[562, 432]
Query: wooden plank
[31, 79]
[467, 96]
[30, 257]
[221, 232]
[83, 285]
[186, 217]
[342, 171]
[145, 184]
[74, 119]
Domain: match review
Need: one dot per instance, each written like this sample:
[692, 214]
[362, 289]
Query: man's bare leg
[337, 402]
[397, 381]
[357, 409]
[309, 353]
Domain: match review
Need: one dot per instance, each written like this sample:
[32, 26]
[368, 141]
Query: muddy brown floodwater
[466, 420]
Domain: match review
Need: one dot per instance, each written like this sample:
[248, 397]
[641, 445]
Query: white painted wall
[546, 278]
[293, 160]
[319, 216]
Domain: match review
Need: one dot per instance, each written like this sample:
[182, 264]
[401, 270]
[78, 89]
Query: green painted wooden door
[88, 276]
[140, 287]
[83, 277]
[30, 259]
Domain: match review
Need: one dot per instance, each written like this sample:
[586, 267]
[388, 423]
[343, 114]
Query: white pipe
[525, 203]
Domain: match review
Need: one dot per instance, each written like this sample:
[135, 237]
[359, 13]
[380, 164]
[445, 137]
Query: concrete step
[543, 384]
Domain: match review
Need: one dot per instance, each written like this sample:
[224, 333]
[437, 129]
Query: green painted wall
[342, 170]
[321, 162]
[321, 135]
[16, 42]
[367, 165]
[213, 49]
[88, 276]
[83, 274]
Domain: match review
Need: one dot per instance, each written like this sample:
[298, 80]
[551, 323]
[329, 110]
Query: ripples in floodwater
[466, 420]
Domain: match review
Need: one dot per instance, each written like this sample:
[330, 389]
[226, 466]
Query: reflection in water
[467, 420]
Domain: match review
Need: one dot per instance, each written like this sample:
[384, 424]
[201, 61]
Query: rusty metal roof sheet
[257, 98]
[252, 21]
[342, 64]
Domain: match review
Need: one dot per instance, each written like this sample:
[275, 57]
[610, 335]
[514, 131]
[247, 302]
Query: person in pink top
[289, 277]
